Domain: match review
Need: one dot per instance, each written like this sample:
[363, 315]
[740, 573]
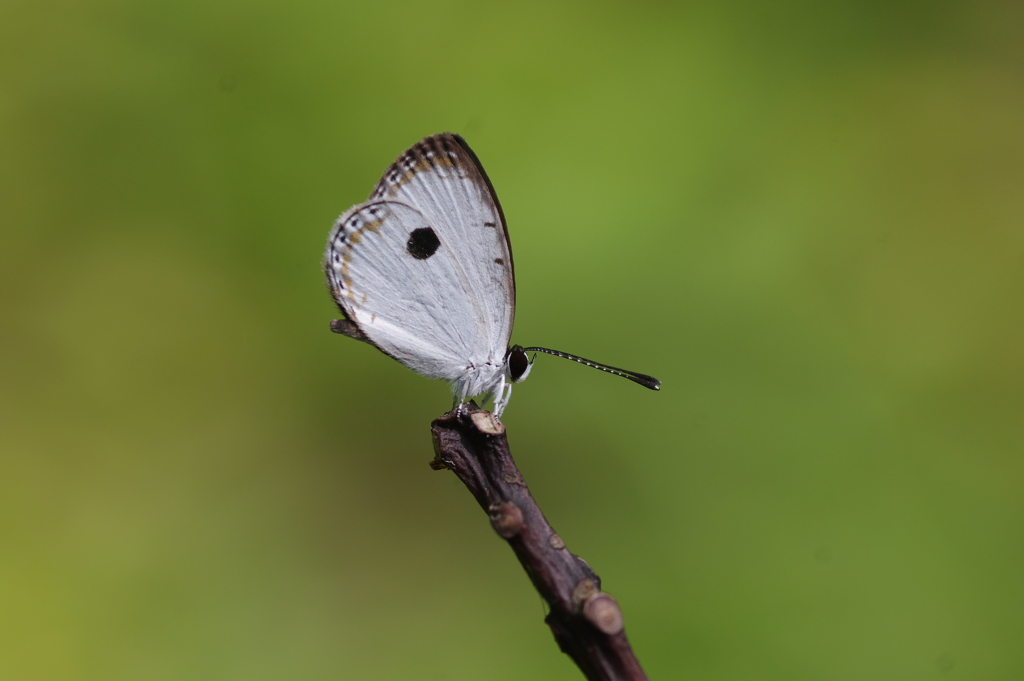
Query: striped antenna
[643, 379]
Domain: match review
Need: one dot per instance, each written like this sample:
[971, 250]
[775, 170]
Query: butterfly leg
[502, 396]
[460, 399]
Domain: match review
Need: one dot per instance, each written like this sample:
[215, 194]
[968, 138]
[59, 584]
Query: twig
[587, 622]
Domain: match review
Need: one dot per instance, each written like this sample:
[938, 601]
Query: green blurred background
[806, 218]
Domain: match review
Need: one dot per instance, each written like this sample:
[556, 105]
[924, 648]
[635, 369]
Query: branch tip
[487, 423]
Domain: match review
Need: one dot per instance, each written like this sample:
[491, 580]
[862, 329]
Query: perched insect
[423, 272]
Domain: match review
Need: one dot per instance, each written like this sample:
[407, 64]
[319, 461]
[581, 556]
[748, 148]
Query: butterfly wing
[424, 268]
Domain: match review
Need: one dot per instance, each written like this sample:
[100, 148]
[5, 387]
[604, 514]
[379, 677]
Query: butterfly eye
[518, 363]
[423, 243]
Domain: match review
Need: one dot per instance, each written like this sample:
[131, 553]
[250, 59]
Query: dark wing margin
[497, 204]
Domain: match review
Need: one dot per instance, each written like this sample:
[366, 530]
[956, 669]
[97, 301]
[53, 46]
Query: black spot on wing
[422, 243]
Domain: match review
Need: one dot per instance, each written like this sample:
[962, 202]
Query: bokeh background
[806, 218]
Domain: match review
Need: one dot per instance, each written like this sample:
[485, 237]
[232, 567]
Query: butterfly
[423, 271]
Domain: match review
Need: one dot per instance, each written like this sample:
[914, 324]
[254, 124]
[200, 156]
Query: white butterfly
[423, 271]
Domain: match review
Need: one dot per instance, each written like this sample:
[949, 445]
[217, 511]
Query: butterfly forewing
[441, 176]
[424, 267]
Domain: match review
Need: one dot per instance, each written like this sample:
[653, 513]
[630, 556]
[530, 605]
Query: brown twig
[587, 622]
